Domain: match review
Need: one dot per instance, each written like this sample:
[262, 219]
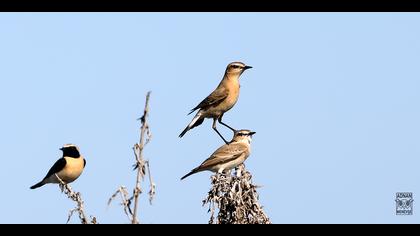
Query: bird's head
[237, 68]
[243, 135]
[70, 150]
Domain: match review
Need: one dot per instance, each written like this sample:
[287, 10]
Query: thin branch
[142, 166]
[140, 160]
[152, 185]
[77, 197]
[125, 201]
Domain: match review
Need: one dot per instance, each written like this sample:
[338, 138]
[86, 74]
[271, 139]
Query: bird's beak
[61, 149]
[247, 67]
[252, 133]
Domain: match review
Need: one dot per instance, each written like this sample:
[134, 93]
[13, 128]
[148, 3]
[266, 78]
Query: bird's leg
[61, 183]
[221, 122]
[214, 127]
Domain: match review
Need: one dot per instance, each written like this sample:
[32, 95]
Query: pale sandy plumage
[221, 100]
[229, 155]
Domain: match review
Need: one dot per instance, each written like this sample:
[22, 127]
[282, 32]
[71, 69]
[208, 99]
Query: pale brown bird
[227, 156]
[221, 100]
[68, 168]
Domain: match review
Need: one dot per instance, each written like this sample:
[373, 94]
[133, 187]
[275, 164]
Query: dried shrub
[236, 198]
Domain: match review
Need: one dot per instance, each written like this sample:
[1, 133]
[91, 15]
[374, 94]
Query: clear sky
[334, 99]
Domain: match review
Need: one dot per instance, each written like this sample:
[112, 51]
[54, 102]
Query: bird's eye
[235, 66]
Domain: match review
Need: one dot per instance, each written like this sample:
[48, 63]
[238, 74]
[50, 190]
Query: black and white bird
[68, 168]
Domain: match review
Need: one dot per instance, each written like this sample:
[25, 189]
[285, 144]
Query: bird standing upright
[221, 100]
[68, 168]
[227, 156]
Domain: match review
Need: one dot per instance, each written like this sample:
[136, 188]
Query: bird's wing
[225, 154]
[84, 162]
[58, 165]
[215, 98]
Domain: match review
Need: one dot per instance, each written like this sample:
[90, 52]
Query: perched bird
[221, 100]
[227, 156]
[68, 168]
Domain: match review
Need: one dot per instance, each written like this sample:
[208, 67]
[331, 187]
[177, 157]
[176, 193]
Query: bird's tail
[198, 120]
[38, 185]
[191, 173]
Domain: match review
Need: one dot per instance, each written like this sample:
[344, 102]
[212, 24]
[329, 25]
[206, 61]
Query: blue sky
[333, 97]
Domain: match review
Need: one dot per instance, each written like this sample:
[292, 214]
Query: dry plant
[142, 167]
[236, 198]
[77, 197]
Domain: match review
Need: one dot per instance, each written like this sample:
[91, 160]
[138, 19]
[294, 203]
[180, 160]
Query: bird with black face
[221, 100]
[228, 156]
[68, 168]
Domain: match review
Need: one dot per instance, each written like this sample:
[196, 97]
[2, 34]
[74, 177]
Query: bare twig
[142, 167]
[152, 190]
[236, 198]
[138, 149]
[77, 197]
[125, 201]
